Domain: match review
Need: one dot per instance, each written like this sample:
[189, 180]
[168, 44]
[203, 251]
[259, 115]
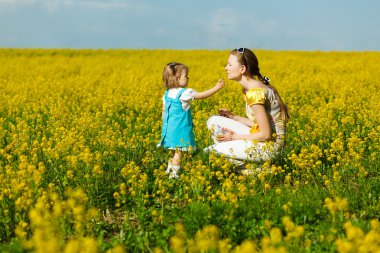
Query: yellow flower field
[80, 170]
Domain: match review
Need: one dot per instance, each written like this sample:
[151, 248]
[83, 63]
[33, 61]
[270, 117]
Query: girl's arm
[207, 93]
[265, 133]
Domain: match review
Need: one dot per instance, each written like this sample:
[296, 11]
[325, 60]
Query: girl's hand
[226, 113]
[220, 84]
[228, 136]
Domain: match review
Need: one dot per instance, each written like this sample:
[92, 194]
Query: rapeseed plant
[89, 121]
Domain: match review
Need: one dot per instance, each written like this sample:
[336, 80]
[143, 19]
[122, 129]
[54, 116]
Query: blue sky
[327, 25]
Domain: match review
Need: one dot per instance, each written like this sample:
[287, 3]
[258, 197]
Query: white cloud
[218, 28]
[227, 21]
[222, 21]
[227, 27]
[97, 4]
[267, 27]
[111, 4]
[53, 6]
[333, 43]
[159, 31]
[16, 2]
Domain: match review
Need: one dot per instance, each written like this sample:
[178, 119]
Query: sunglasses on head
[240, 50]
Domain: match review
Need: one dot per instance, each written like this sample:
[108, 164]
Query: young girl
[177, 125]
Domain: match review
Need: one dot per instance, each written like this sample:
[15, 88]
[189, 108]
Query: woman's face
[233, 68]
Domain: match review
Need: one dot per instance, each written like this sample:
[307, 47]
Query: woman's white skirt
[239, 149]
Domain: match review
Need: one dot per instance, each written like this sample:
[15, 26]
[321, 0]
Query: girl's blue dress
[177, 124]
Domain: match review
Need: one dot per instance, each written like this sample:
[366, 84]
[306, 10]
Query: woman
[261, 135]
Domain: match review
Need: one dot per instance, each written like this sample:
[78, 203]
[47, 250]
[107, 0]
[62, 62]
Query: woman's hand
[226, 113]
[228, 135]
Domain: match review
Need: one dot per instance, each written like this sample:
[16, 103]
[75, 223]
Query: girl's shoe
[172, 170]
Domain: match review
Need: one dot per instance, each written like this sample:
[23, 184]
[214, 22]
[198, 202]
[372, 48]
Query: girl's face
[183, 79]
[234, 69]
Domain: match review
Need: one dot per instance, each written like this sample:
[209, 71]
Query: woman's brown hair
[247, 58]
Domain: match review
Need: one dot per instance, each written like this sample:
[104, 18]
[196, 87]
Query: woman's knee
[212, 121]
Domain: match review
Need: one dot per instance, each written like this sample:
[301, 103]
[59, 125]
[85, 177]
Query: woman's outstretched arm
[262, 118]
[228, 114]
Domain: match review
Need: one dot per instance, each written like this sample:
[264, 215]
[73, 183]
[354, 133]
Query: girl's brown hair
[247, 58]
[172, 72]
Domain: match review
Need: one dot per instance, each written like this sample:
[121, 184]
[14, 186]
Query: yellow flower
[276, 235]
[116, 195]
[338, 205]
[246, 247]
[117, 249]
